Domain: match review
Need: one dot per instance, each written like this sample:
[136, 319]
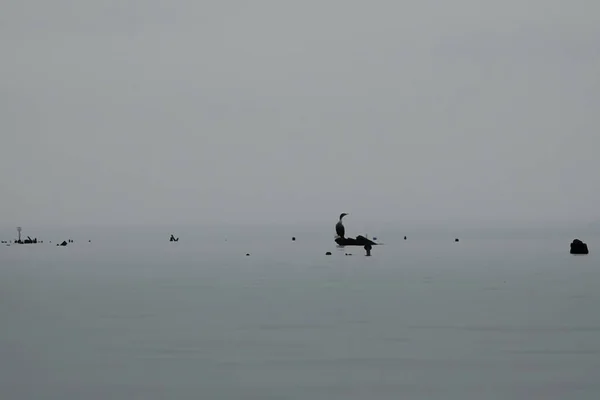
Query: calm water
[486, 318]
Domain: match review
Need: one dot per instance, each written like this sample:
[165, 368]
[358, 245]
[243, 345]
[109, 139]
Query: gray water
[427, 318]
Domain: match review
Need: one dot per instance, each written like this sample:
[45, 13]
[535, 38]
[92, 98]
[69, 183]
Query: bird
[339, 227]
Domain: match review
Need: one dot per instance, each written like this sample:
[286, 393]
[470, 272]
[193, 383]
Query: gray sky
[152, 112]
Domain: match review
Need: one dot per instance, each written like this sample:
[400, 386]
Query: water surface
[426, 318]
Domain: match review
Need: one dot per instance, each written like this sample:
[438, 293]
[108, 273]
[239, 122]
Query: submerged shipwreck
[29, 240]
[359, 241]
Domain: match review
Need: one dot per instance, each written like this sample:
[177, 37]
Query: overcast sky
[153, 112]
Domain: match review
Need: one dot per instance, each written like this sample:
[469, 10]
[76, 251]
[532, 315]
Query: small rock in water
[456, 240]
[247, 254]
[328, 253]
[579, 248]
[293, 238]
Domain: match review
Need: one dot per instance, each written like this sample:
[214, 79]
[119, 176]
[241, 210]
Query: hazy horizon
[312, 229]
[208, 112]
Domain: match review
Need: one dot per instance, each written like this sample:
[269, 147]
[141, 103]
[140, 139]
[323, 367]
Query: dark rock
[578, 247]
[247, 254]
[456, 240]
[328, 253]
[64, 243]
[404, 237]
[293, 238]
